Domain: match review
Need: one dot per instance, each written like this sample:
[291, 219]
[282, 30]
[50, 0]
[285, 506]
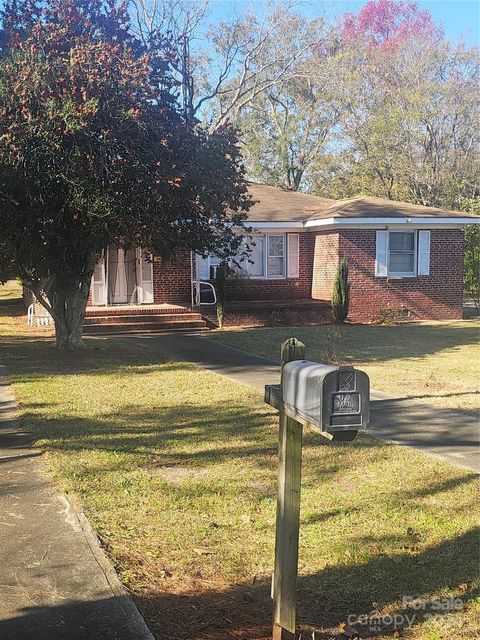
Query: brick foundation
[265, 314]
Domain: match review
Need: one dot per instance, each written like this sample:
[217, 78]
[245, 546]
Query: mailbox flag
[424, 253]
[381, 268]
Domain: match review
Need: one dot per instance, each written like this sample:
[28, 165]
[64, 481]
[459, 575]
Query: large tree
[94, 150]
[410, 119]
[222, 68]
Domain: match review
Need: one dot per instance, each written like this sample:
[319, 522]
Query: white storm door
[144, 278]
[99, 289]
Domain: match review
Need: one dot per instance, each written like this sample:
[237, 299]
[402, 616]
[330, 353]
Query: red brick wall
[282, 288]
[437, 296]
[171, 280]
[325, 262]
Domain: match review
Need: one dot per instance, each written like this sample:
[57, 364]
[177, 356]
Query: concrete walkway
[447, 434]
[55, 581]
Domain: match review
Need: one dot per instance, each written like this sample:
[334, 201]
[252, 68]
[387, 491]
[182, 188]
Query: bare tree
[224, 68]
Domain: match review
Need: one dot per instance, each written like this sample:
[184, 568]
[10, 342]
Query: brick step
[125, 310]
[143, 318]
[145, 327]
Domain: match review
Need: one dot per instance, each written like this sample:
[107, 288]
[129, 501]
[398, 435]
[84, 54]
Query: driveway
[444, 433]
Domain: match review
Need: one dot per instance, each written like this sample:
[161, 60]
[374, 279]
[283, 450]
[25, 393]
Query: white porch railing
[36, 313]
[198, 285]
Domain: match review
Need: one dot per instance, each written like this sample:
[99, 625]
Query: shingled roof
[369, 207]
[278, 205]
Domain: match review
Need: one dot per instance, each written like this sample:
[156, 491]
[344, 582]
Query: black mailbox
[335, 400]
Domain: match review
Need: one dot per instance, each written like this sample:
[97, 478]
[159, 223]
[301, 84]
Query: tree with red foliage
[94, 151]
[385, 23]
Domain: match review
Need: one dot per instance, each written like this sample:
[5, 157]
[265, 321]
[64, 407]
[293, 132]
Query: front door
[123, 276]
[122, 285]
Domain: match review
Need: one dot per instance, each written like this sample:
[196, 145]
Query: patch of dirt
[177, 473]
[347, 484]
[265, 488]
[241, 612]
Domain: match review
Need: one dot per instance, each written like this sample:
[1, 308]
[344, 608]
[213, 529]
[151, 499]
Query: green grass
[437, 362]
[11, 291]
[176, 469]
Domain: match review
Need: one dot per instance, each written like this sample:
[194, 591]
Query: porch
[136, 318]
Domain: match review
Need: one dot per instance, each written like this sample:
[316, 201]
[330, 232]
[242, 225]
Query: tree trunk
[66, 302]
[69, 317]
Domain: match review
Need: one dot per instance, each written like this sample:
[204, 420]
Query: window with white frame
[402, 254]
[254, 265]
[276, 256]
[272, 255]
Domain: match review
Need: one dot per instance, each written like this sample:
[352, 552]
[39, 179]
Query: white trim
[384, 222]
[273, 225]
[368, 222]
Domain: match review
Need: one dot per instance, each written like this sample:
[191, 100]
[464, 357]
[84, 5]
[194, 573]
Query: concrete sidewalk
[55, 581]
[447, 434]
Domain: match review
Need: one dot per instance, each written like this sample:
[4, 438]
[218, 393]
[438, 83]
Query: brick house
[404, 258]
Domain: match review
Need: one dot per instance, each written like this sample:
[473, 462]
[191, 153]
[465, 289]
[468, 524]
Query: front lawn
[176, 469]
[437, 362]
[10, 291]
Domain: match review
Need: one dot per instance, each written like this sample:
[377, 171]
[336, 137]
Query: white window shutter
[99, 289]
[381, 254]
[146, 278]
[293, 255]
[424, 253]
[203, 268]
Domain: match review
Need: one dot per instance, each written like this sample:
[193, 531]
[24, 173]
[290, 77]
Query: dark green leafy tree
[471, 279]
[341, 292]
[94, 150]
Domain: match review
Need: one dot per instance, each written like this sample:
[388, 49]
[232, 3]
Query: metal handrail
[198, 293]
[42, 319]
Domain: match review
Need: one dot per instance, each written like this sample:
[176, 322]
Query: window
[213, 262]
[254, 265]
[401, 250]
[402, 254]
[276, 256]
[273, 255]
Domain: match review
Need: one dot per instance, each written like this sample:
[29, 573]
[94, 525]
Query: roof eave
[377, 222]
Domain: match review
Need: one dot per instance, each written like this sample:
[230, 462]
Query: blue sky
[459, 18]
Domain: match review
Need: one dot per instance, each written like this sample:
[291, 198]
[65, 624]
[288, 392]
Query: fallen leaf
[347, 630]
[165, 573]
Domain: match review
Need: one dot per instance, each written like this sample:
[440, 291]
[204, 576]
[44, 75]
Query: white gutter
[383, 222]
[363, 223]
[275, 225]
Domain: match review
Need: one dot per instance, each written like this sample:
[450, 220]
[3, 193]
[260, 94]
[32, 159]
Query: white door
[99, 290]
[117, 276]
[144, 278]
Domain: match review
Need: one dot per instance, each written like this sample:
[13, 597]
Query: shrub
[341, 292]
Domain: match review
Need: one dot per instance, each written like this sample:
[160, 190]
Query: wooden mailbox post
[288, 512]
[333, 401]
